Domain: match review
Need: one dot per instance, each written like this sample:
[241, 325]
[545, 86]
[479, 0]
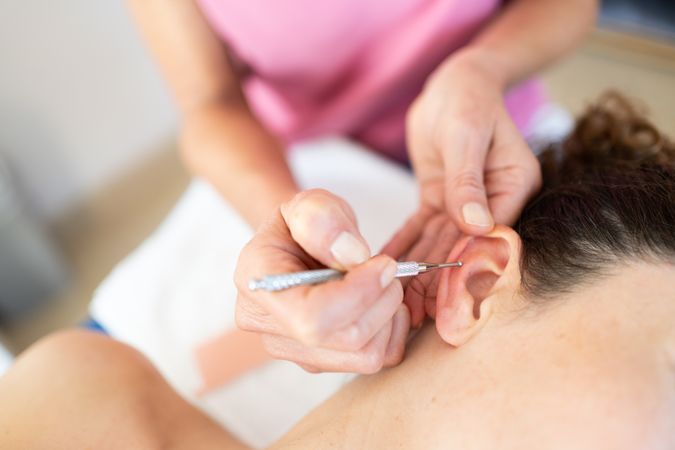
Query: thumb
[465, 196]
[325, 227]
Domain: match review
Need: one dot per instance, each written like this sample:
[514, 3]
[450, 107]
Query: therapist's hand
[473, 167]
[357, 324]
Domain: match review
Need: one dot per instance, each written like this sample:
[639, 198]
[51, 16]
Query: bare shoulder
[77, 389]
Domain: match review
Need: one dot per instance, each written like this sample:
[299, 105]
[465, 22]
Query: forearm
[221, 140]
[528, 35]
[227, 146]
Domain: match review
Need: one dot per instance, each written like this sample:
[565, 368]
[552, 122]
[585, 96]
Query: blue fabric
[91, 324]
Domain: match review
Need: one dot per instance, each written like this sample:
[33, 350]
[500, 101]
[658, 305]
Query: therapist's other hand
[357, 324]
[473, 166]
[462, 140]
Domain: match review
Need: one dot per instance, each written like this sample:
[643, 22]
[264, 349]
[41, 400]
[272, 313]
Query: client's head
[587, 275]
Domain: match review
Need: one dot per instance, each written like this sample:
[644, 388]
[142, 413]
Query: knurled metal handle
[283, 281]
[272, 283]
[407, 269]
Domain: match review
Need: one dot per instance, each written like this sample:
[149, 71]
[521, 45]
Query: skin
[590, 369]
[464, 144]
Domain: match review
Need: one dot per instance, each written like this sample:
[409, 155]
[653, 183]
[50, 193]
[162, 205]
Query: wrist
[479, 59]
[269, 195]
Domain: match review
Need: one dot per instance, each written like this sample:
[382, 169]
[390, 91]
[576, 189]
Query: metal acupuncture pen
[272, 283]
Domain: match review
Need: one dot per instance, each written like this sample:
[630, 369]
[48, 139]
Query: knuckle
[355, 338]
[468, 180]
[315, 199]
[513, 180]
[524, 180]
[309, 195]
[317, 212]
[454, 130]
[395, 358]
[289, 210]
[470, 119]
[372, 361]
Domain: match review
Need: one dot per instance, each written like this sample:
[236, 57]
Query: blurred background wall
[80, 102]
[648, 17]
[82, 108]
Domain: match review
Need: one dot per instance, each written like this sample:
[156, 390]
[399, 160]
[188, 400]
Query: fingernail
[388, 274]
[349, 251]
[476, 214]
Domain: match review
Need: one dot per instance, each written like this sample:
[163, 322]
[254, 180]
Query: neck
[417, 403]
[445, 397]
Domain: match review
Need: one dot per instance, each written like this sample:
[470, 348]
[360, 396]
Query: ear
[488, 278]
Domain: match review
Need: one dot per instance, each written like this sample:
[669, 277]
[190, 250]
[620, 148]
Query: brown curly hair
[608, 197]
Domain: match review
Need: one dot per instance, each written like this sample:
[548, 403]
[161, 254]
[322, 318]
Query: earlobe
[467, 297]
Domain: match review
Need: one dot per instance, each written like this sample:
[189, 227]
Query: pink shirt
[349, 67]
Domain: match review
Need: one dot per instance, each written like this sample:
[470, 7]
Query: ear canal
[466, 295]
